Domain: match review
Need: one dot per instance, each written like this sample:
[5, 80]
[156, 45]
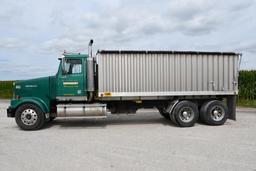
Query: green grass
[6, 89]
[246, 103]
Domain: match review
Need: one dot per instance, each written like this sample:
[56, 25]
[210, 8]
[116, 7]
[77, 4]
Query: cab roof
[75, 55]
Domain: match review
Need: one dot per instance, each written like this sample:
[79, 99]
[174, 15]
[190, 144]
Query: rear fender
[171, 106]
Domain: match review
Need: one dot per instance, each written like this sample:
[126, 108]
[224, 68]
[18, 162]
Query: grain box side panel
[167, 74]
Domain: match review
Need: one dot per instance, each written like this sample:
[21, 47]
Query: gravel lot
[145, 141]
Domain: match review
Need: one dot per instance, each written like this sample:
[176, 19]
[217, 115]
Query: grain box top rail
[164, 52]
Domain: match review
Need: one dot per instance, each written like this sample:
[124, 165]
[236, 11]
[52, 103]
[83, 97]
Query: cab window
[71, 66]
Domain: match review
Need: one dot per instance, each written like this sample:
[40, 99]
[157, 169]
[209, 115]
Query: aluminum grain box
[158, 74]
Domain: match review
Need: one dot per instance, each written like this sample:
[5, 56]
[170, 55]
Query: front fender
[34, 100]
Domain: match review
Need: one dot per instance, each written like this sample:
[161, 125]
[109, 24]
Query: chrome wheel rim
[217, 113]
[186, 114]
[29, 117]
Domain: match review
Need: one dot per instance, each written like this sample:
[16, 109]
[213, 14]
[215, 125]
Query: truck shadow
[112, 120]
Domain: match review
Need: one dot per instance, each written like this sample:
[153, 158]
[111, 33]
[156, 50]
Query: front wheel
[29, 117]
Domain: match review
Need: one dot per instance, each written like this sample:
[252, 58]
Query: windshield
[71, 66]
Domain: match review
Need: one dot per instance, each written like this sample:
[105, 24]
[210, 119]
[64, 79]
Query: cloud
[200, 17]
[24, 70]
[45, 28]
[241, 5]
[3, 60]
[13, 43]
[249, 47]
[124, 22]
[10, 12]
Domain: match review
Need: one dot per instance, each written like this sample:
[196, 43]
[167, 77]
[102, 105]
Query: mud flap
[170, 109]
[231, 103]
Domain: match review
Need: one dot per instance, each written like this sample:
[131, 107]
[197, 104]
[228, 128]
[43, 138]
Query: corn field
[247, 85]
[6, 89]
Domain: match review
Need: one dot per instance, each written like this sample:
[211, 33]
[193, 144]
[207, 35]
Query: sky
[34, 33]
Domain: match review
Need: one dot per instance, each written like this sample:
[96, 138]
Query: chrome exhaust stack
[90, 73]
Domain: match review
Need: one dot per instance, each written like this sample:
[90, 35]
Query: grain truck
[184, 86]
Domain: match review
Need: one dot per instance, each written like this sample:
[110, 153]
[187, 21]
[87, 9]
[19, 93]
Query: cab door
[71, 78]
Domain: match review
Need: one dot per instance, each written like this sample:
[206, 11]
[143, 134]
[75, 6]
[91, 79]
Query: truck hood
[38, 87]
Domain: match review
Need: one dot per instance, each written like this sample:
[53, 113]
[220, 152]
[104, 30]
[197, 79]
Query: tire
[164, 114]
[172, 117]
[29, 117]
[214, 112]
[185, 114]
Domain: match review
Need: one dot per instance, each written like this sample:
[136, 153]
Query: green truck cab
[183, 85]
[41, 94]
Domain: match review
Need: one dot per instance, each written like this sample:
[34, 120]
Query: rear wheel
[185, 114]
[29, 117]
[214, 112]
